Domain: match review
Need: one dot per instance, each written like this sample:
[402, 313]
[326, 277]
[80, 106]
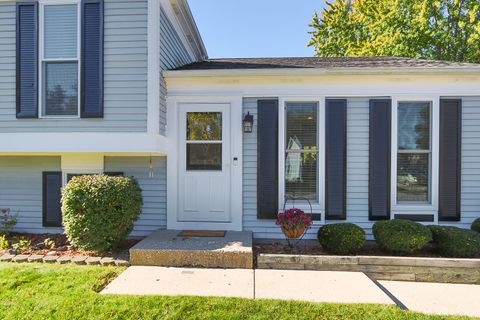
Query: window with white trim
[414, 152]
[301, 151]
[59, 59]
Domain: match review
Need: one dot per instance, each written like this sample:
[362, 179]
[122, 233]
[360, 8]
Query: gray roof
[315, 62]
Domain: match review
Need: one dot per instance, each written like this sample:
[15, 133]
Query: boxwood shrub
[99, 211]
[401, 236]
[341, 238]
[476, 225]
[456, 242]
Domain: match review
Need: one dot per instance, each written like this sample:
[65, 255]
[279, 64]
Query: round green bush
[341, 238]
[456, 242]
[401, 236]
[99, 211]
[476, 225]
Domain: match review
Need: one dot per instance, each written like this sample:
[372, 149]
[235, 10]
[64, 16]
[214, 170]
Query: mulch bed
[62, 246]
[308, 248]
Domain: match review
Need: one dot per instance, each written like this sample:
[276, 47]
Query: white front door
[204, 170]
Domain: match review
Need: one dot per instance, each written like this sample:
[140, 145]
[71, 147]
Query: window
[59, 60]
[414, 152]
[204, 141]
[301, 151]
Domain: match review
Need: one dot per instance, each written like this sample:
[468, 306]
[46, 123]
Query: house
[125, 87]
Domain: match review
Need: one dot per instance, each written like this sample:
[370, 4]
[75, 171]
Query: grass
[38, 291]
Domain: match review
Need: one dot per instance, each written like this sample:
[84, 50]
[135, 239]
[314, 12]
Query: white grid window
[59, 60]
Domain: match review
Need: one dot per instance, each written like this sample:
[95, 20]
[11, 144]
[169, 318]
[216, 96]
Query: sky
[255, 28]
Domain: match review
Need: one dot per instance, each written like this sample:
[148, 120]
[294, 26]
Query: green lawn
[37, 291]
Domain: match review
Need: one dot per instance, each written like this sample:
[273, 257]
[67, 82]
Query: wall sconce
[248, 123]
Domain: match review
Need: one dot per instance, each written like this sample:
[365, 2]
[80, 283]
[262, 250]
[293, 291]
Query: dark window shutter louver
[52, 211]
[91, 91]
[335, 159]
[379, 159]
[267, 159]
[450, 159]
[27, 60]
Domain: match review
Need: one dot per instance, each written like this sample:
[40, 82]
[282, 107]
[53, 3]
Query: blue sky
[255, 28]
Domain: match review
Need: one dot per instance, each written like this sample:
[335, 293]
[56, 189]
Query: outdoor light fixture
[248, 123]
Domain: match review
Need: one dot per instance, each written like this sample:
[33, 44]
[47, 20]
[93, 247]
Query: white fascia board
[175, 18]
[60, 142]
[317, 71]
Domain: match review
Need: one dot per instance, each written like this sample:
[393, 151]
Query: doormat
[201, 233]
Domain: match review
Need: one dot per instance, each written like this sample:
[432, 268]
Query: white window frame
[319, 206]
[42, 60]
[417, 208]
[65, 173]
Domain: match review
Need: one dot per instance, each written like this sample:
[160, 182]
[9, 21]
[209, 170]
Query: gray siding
[173, 54]
[154, 190]
[357, 169]
[21, 190]
[125, 58]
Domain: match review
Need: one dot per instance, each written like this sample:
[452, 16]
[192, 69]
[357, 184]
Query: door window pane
[60, 36]
[61, 88]
[301, 166]
[414, 126]
[204, 156]
[413, 176]
[204, 126]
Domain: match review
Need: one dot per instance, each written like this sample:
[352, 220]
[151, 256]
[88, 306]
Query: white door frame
[236, 130]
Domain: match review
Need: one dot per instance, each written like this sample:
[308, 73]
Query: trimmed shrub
[456, 242]
[99, 211]
[401, 236]
[341, 238]
[476, 225]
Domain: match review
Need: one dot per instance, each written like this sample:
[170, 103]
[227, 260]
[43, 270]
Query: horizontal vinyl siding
[154, 190]
[125, 70]
[21, 189]
[173, 54]
[470, 199]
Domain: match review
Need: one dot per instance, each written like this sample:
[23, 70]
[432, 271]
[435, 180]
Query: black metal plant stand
[295, 241]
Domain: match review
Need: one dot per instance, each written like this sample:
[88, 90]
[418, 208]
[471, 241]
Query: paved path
[315, 286]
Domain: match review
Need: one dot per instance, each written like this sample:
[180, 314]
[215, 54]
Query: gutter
[319, 71]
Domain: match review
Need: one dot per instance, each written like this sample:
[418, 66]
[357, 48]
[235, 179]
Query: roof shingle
[322, 63]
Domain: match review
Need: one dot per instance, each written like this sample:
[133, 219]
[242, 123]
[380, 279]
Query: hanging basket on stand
[294, 222]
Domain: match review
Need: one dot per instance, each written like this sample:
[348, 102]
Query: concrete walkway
[314, 286]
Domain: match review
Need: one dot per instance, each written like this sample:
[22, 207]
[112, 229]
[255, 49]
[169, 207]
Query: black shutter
[91, 105]
[52, 211]
[336, 159]
[27, 60]
[379, 159]
[450, 159]
[267, 159]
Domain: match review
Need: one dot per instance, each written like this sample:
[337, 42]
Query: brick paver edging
[446, 270]
[80, 260]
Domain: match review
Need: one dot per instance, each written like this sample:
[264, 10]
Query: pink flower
[294, 218]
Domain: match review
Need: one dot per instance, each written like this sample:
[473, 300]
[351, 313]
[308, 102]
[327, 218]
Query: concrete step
[167, 248]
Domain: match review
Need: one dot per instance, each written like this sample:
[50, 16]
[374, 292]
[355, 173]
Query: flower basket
[294, 233]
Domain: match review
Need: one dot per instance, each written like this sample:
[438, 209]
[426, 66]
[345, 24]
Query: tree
[430, 29]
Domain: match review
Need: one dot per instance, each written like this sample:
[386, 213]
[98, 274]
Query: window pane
[302, 126]
[204, 126]
[413, 177]
[60, 31]
[204, 156]
[414, 126]
[301, 173]
[61, 89]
